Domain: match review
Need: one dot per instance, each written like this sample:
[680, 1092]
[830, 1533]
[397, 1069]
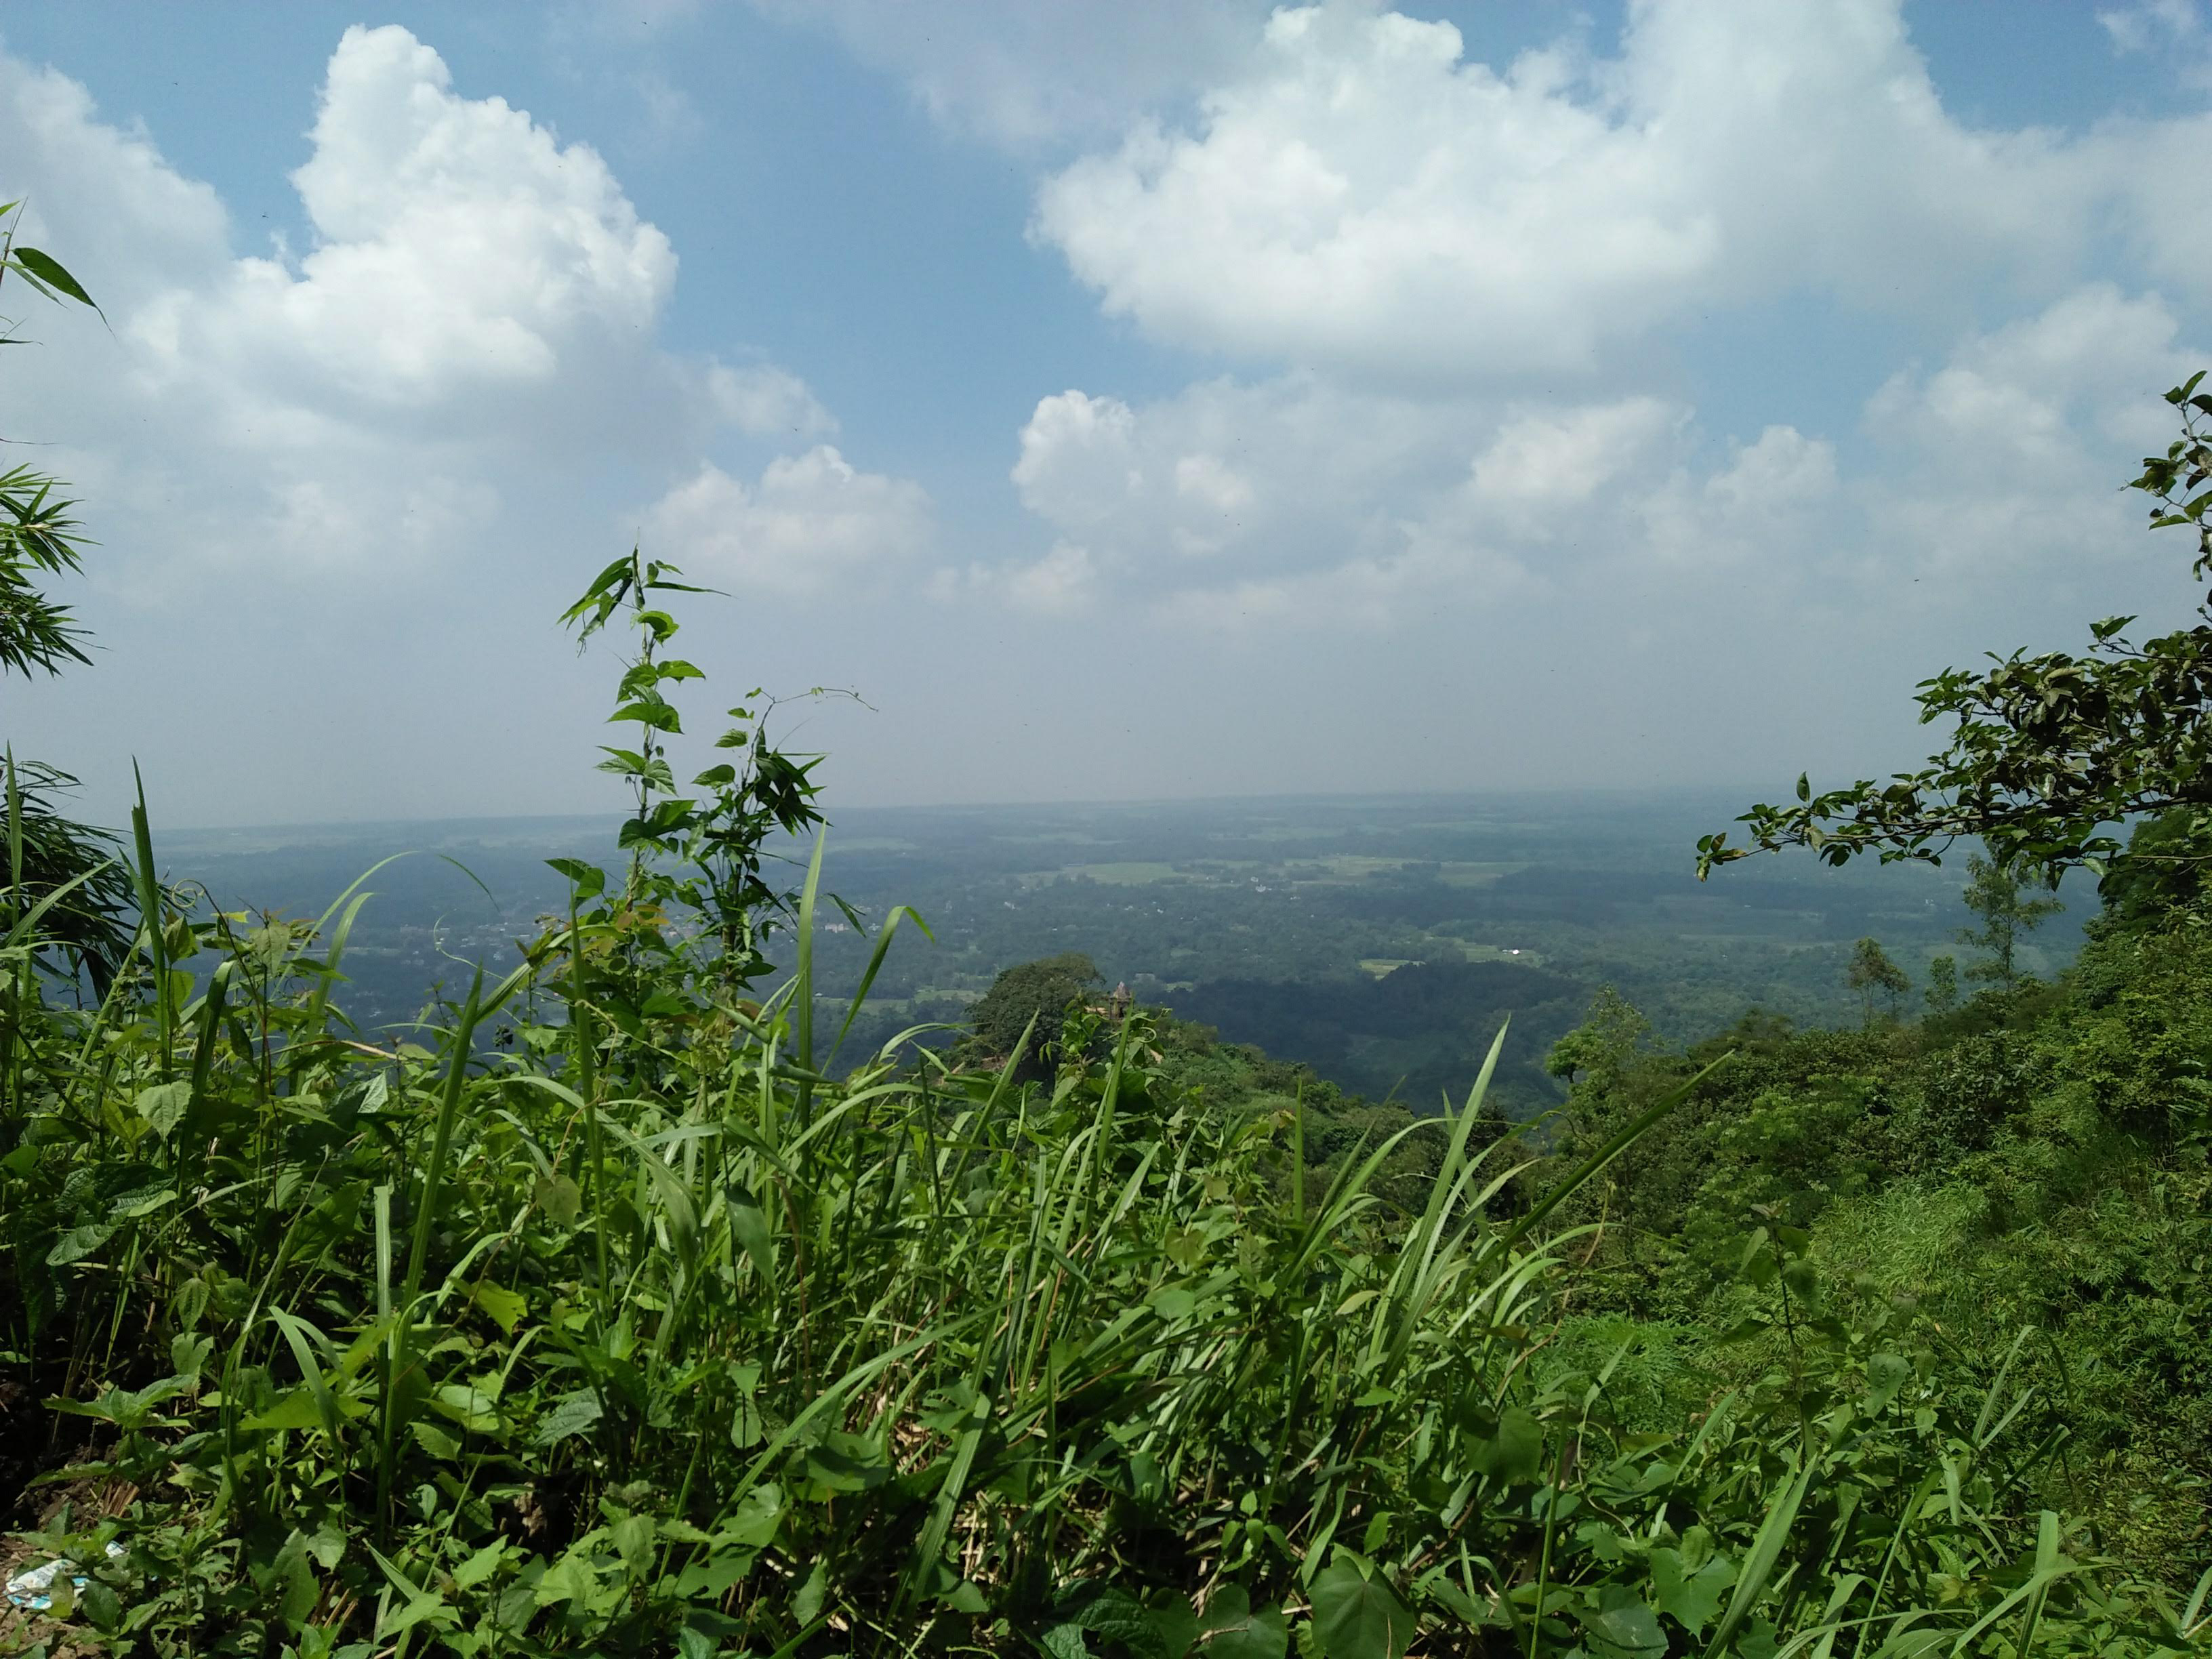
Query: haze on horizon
[1166, 400]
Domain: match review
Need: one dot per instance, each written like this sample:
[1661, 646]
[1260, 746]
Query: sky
[1173, 398]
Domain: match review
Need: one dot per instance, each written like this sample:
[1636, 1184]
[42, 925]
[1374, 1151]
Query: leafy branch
[2052, 753]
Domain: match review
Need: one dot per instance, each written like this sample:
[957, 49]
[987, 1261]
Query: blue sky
[1161, 399]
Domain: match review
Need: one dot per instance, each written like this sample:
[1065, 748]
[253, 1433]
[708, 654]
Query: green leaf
[1173, 1620]
[49, 270]
[759, 1512]
[1765, 1549]
[590, 880]
[560, 1198]
[633, 1542]
[297, 1590]
[571, 1414]
[130, 1206]
[1235, 1629]
[1515, 1454]
[326, 1544]
[1688, 1590]
[569, 1579]
[473, 1409]
[651, 713]
[846, 1463]
[713, 1577]
[79, 1243]
[102, 1607]
[751, 1225]
[1358, 1617]
[481, 1565]
[808, 1603]
[1116, 1614]
[505, 1307]
[163, 1106]
[295, 1408]
[1621, 1627]
[1886, 1373]
[434, 1440]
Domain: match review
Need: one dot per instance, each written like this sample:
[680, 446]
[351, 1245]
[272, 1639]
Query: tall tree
[1872, 974]
[1942, 992]
[1995, 895]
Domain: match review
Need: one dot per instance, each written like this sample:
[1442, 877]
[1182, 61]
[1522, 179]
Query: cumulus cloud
[2002, 458]
[1297, 502]
[1060, 584]
[471, 325]
[813, 523]
[764, 401]
[1356, 197]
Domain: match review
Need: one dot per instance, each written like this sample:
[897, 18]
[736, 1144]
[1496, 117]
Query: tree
[2168, 868]
[1872, 974]
[1994, 894]
[1603, 1045]
[1039, 991]
[40, 538]
[1942, 992]
[2050, 754]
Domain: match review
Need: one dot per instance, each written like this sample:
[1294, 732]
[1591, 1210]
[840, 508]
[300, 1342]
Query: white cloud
[1078, 463]
[1542, 463]
[1060, 584]
[2002, 460]
[1995, 466]
[1357, 198]
[457, 245]
[1418, 243]
[764, 401]
[470, 330]
[1027, 72]
[2154, 25]
[813, 523]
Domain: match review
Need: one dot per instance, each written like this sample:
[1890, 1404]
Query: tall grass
[610, 1323]
[362, 1349]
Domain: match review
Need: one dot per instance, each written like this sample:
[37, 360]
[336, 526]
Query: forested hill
[1380, 940]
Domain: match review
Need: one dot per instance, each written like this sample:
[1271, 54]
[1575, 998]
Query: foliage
[1020, 1016]
[1942, 992]
[2049, 752]
[2168, 864]
[1604, 1045]
[634, 1330]
[703, 856]
[1872, 974]
[2035, 1161]
[1993, 894]
[38, 535]
[41, 538]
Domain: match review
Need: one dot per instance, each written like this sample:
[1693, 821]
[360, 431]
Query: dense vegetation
[2032, 1162]
[626, 1313]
